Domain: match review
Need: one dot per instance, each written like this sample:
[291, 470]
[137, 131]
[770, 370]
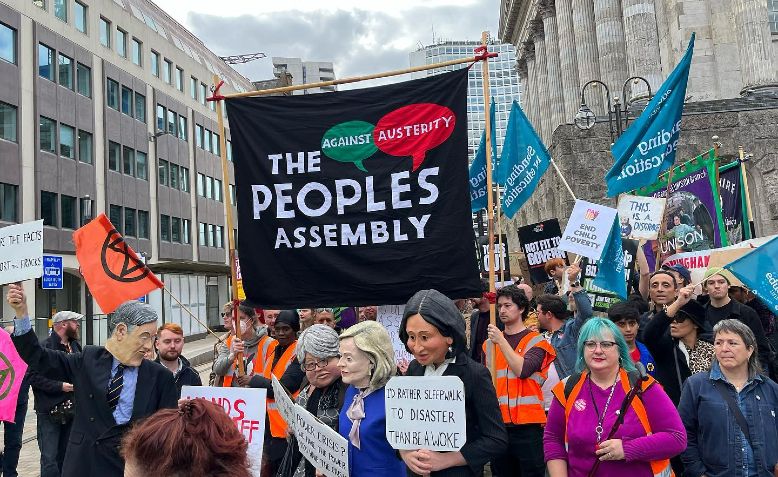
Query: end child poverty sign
[354, 195]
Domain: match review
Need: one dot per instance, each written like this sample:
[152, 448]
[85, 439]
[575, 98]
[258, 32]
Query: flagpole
[559, 173]
[491, 348]
[663, 225]
[230, 235]
[191, 314]
[751, 229]
[499, 233]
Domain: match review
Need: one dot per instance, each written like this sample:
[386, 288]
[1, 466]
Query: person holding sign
[434, 332]
[249, 340]
[597, 425]
[366, 364]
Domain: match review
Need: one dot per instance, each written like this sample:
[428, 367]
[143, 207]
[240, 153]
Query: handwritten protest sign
[390, 317]
[588, 229]
[324, 448]
[641, 217]
[12, 369]
[21, 252]
[426, 413]
[246, 407]
[283, 402]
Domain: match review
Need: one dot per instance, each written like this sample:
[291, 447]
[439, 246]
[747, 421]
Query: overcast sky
[359, 37]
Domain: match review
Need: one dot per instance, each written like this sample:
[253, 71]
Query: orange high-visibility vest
[521, 400]
[659, 468]
[278, 427]
[265, 348]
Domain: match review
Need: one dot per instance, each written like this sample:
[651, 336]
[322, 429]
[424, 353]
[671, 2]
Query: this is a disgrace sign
[324, 448]
[246, 407]
[425, 413]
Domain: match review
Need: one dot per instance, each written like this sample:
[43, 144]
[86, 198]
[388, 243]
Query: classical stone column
[571, 90]
[529, 89]
[554, 73]
[640, 31]
[587, 56]
[759, 70]
[541, 75]
[610, 44]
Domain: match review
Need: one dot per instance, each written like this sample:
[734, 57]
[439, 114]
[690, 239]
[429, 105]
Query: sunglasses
[680, 317]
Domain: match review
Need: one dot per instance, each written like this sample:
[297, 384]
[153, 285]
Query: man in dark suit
[114, 385]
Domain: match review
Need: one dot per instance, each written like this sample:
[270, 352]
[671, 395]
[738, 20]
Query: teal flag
[523, 162]
[758, 270]
[478, 199]
[610, 267]
[648, 147]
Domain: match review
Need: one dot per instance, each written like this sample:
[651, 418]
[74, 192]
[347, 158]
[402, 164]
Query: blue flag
[758, 270]
[610, 267]
[523, 162]
[648, 147]
[478, 199]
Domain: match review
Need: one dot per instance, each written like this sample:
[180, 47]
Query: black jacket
[93, 447]
[748, 316]
[474, 316]
[486, 435]
[186, 377]
[47, 388]
[671, 367]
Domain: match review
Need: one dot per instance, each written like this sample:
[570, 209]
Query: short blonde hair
[373, 339]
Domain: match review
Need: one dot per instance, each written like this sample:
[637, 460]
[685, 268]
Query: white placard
[426, 413]
[21, 252]
[588, 229]
[284, 402]
[640, 217]
[390, 317]
[246, 407]
[324, 448]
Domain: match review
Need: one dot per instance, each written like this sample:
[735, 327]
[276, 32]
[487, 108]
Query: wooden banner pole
[663, 224]
[749, 211]
[186, 309]
[559, 173]
[499, 233]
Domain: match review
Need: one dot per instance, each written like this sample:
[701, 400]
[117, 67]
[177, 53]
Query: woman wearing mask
[434, 332]
[366, 364]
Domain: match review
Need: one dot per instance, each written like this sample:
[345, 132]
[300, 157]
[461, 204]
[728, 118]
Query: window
[45, 62]
[163, 172]
[182, 127]
[216, 145]
[143, 224]
[65, 71]
[200, 185]
[68, 211]
[121, 42]
[115, 216]
[185, 231]
[164, 228]
[105, 32]
[126, 101]
[141, 165]
[184, 179]
[201, 240]
[140, 107]
[67, 139]
[207, 140]
[209, 235]
[176, 230]
[203, 92]
[137, 52]
[84, 80]
[208, 187]
[48, 135]
[8, 199]
[114, 156]
[193, 87]
[85, 147]
[174, 176]
[130, 228]
[61, 10]
[49, 208]
[8, 122]
[199, 135]
[217, 190]
[219, 236]
[167, 66]
[772, 8]
[160, 118]
[112, 94]
[7, 44]
[229, 151]
[128, 155]
[155, 63]
[179, 79]
[232, 193]
[79, 21]
[171, 122]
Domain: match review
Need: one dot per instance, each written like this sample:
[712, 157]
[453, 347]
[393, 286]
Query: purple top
[667, 440]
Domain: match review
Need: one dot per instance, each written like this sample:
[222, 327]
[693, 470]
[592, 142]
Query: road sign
[52, 272]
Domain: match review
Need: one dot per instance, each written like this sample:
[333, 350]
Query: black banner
[501, 259]
[539, 242]
[602, 299]
[355, 197]
[732, 203]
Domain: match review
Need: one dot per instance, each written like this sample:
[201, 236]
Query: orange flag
[112, 270]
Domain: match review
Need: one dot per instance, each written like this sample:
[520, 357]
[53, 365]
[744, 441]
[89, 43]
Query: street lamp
[585, 118]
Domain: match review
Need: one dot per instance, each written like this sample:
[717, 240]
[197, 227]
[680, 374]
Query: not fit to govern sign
[354, 195]
[425, 413]
[588, 229]
[21, 252]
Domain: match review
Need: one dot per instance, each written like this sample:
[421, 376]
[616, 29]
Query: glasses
[319, 363]
[604, 345]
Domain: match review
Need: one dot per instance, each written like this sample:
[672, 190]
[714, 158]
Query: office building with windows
[305, 72]
[104, 110]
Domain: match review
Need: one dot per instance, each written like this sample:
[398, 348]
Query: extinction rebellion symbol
[132, 269]
[7, 375]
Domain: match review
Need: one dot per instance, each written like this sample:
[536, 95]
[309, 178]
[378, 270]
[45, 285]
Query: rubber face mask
[130, 347]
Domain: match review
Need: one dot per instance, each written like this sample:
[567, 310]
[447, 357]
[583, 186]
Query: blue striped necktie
[115, 387]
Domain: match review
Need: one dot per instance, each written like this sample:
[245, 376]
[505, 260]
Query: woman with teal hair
[587, 404]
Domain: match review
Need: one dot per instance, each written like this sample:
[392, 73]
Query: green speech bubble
[351, 141]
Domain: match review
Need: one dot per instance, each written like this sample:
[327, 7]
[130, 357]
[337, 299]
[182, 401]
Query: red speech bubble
[413, 130]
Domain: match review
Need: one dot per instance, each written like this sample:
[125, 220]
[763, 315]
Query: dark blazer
[486, 435]
[93, 447]
[48, 388]
[474, 316]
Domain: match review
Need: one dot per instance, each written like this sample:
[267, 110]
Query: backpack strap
[572, 380]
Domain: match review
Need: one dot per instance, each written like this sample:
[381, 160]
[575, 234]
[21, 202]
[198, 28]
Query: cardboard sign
[21, 252]
[501, 262]
[284, 402]
[246, 407]
[324, 448]
[539, 243]
[390, 317]
[588, 229]
[426, 413]
[641, 217]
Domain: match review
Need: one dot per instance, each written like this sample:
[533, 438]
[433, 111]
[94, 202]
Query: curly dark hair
[517, 296]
